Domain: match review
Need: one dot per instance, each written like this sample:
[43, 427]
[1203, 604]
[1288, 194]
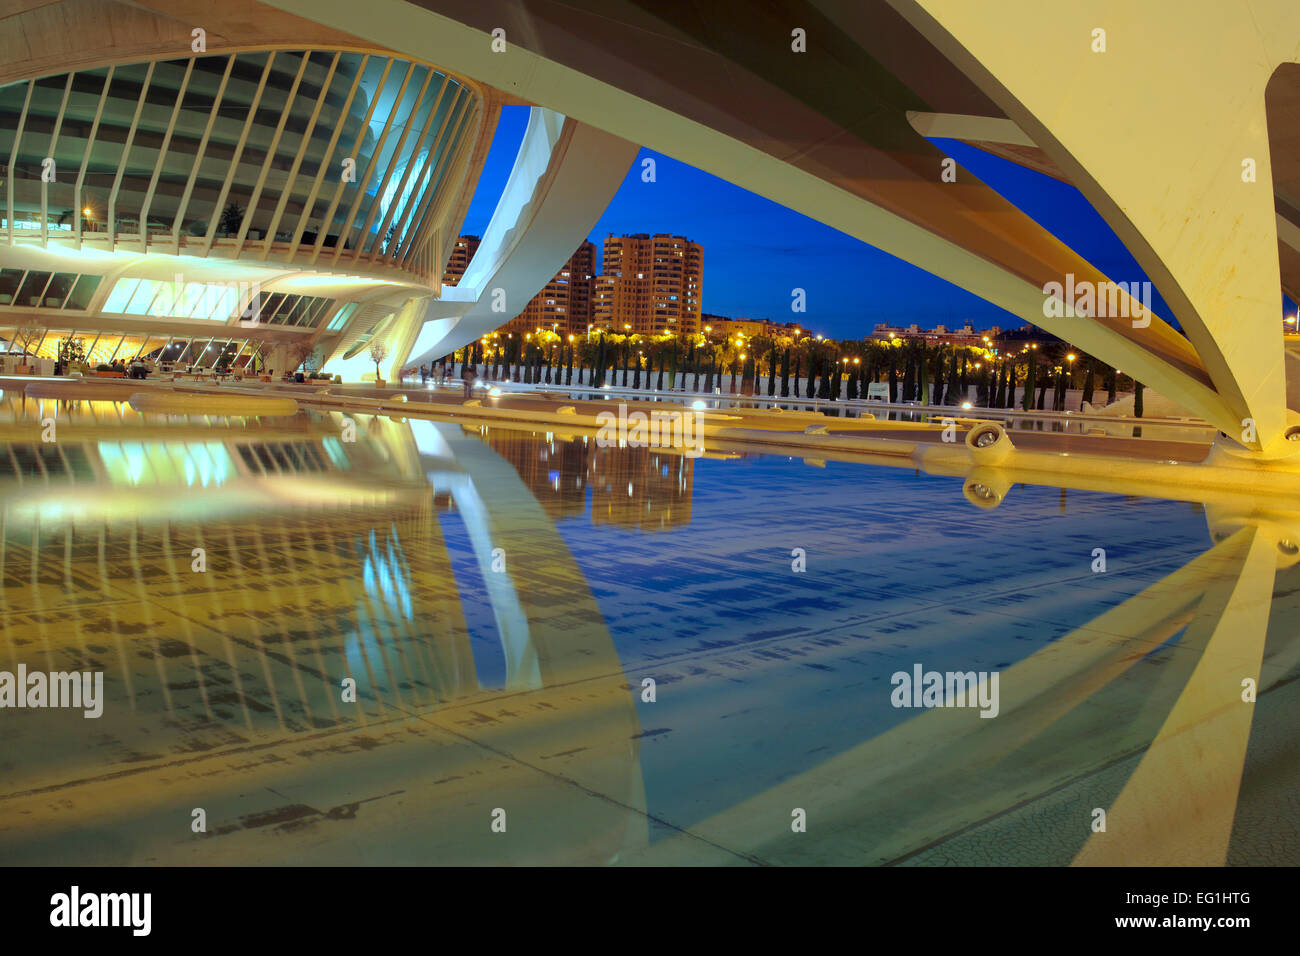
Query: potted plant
[378, 352]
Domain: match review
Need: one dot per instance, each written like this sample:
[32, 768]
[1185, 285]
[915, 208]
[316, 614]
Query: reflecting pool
[440, 644]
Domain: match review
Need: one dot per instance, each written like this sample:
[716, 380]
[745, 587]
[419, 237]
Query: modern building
[564, 306]
[461, 254]
[239, 204]
[720, 326]
[951, 69]
[651, 285]
[270, 192]
[940, 334]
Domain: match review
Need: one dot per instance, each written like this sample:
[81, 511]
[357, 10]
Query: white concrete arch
[1218, 274]
[1165, 132]
[564, 176]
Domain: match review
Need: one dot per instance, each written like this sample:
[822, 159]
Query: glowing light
[698, 404]
[965, 405]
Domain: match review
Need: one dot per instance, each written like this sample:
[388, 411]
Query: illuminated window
[190, 299]
[341, 318]
[162, 303]
[82, 293]
[121, 295]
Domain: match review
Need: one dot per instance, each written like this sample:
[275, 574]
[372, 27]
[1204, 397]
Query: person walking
[424, 375]
[467, 375]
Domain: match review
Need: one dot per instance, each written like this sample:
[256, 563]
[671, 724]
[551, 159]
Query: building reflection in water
[324, 560]
[641, 489]
[226, 576]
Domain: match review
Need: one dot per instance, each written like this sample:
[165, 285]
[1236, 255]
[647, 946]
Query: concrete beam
[1180, 168]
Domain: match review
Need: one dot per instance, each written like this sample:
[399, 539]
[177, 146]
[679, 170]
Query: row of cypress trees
[929, 376]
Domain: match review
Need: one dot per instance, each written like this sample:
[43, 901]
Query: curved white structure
[1158, 147]
[564, 176]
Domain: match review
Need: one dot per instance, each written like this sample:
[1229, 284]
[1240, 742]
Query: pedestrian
[424, 375]
[467, 375]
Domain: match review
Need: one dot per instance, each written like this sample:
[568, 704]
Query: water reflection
[642, 489]
[323, 560]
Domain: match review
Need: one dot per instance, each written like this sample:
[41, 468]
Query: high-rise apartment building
[461, 254]
[565, 304]
[649, 284]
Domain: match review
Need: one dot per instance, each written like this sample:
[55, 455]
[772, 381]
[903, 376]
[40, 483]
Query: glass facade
[340, 152]
[34, 289]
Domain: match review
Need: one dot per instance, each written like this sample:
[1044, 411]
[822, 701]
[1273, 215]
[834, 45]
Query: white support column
[162, 156]
[363, 243]
[183, 206]
[430, 145]
[362, 130]
[270, 156]
[125, 157]
[54, 144]
[303, 217]
[1178, 166]
[375, 159]
[239, 152]
[13, 159]
[378, 250]
[85, 157]
[443, 143]
[297, 160]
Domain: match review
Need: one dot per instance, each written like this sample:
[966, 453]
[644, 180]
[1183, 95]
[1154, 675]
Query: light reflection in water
[325, 559]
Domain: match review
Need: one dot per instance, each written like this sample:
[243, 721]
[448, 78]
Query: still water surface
[503, 598]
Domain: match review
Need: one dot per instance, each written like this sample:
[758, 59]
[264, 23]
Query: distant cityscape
[649, 285]
[653, 285]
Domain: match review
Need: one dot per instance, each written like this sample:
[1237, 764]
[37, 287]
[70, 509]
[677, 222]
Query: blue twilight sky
[756, 251]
